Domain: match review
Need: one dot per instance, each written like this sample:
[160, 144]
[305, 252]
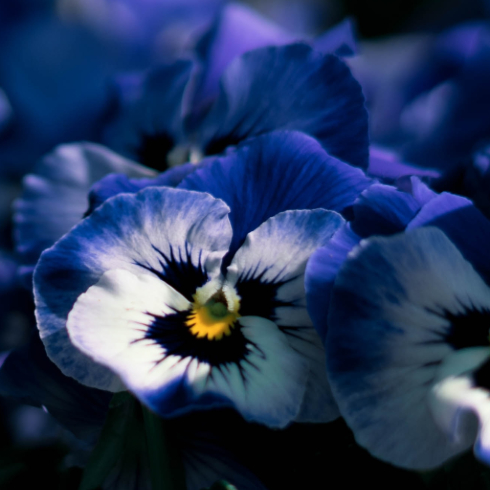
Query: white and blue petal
[268, 274]
[55, 195]
[114, 184]
[273, 173]
[400, 306]
[459, 398]
[291, 87]
[174, 235]
[136, 326]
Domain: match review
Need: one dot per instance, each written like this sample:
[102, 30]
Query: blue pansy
[407, 356]
[190, 304]
[407, 339]
[290, 87]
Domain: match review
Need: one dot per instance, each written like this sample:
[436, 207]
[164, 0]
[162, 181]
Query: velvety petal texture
[401, 307]
[273, 173]
[291, 87]
[182, 245]
[55, 195]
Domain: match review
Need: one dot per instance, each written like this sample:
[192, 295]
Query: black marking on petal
[178, 270]
[173, 335]
[154, 149]
[469, 328]
[481, 376]
[259, 296]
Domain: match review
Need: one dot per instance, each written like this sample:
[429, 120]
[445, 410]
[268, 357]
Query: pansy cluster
[242, 248]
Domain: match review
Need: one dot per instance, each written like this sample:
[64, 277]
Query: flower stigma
[215, 318]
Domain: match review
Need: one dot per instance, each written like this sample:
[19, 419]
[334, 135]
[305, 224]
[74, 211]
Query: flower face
[188, 305]
[177, 330]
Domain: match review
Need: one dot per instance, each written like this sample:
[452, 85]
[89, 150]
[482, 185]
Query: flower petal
[112, 323]
[291, 87]
[55, 195]
[339, 39]
[236, 30]
[399, 307]
[456, 397]
[177, 236]
[273, 173]
[268, 273]
[463, 223]
[321, 271]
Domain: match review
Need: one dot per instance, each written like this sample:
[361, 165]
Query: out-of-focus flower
[55, 77]
[239, 29]
[407, 338]
[290, 87]
[154, 30]
[426, 93]
[220, 314]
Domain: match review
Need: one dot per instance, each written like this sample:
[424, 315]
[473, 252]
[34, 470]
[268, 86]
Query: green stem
[166, 467]
[110, 445]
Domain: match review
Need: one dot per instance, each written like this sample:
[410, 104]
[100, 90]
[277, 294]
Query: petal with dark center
[176, 236]
[291, 87]
[400, 306]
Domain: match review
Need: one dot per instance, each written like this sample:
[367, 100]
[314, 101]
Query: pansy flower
[194, 301]
[408, 338]
[291, 87]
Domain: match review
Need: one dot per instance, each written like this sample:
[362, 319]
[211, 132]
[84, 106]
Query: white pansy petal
[268, 385]
[111, 321]
[174, 235]
[268, 271]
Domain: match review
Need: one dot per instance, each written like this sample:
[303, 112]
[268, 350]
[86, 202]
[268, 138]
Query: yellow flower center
[213, 319]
